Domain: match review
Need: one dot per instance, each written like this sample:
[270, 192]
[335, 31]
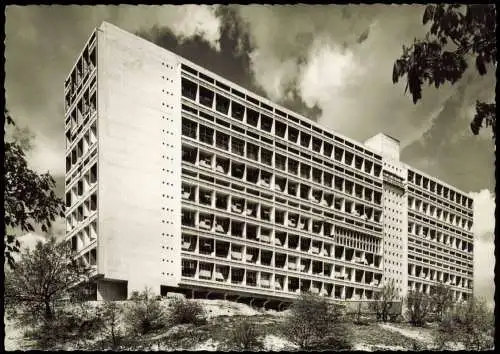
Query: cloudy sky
[331, 63]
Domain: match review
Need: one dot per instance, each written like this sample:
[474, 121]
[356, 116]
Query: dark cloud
[449, 150]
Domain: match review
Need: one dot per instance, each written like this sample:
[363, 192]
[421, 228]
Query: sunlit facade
[180, 180]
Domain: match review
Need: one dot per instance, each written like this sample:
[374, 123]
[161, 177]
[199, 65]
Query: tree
[419, 306]
[315, 323]
[29, 197]
[457, 33]
[41, 277]
[442, 300]
[110, 314]
[471, 323]
[384, 300]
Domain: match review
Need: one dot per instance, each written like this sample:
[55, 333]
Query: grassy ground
[222, 318]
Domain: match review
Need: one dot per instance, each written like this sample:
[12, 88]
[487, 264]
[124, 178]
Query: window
[206, 97]
[266, 157]
[252, 152]
[280, 129]
[222, 104]
[266, 123]
[305, 139]
[238, 146]
[327, 150]
[222, 140]
[237, 111]
[252, 117]
[206, 135]
[316, 146]
[293, 134]
[293, 166]
[280, 162]
[189, 128]
[189, 89]
[93, 202]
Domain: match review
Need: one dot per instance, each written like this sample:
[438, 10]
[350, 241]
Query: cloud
[484, 212]
[37, 64]
[341, 63]
[484, 245]
[276, 83]
[195, 20]
[30, 240]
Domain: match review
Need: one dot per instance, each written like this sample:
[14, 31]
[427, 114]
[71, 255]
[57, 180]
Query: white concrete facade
[193, 182]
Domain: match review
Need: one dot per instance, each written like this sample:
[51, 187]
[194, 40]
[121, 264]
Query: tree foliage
[183, 311]
[419, 305]
[471, 323]
[442, 300]
[457, 32]
[145, 313]
[29, 196]
[41, 277]
[384, 301]
[244, 336]
[110, 315]
[315, 323]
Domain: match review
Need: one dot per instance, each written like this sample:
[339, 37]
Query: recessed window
[206, 97]
[189, 128]
[189, 89]
[237, 111]
[222, 104]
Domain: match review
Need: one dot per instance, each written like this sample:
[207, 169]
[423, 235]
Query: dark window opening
[206, 97]
[280, 129]
[252, 117]
[189, 128]
[189, 89]
[237, 111]
[222, 104]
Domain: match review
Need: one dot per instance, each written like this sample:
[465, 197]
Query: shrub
[314, 323]
[186, 312]
[73, 324]
[144, 314]
[442, 301]
[384, 301]
[471, 324]
[111, 333]
[418, 307]
[244, 336]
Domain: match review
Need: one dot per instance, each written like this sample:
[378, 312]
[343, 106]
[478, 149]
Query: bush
[73, 324]
[144, 314]
[472, 324]
[442, 301]
[419, 306]
[186, 312]
[315, 323]
[245, 337]
[384, 301]
[111, 332]
[339, 339]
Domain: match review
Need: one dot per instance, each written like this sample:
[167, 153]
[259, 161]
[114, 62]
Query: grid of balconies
[237, 158]
[440, 213]
[236, 201]
[81, 155]
[285, 129]
[436, 188]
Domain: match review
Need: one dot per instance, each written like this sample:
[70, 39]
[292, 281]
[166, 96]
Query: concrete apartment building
[180, 180]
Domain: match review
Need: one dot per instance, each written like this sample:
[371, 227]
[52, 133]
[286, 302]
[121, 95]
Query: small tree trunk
[48, 310]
